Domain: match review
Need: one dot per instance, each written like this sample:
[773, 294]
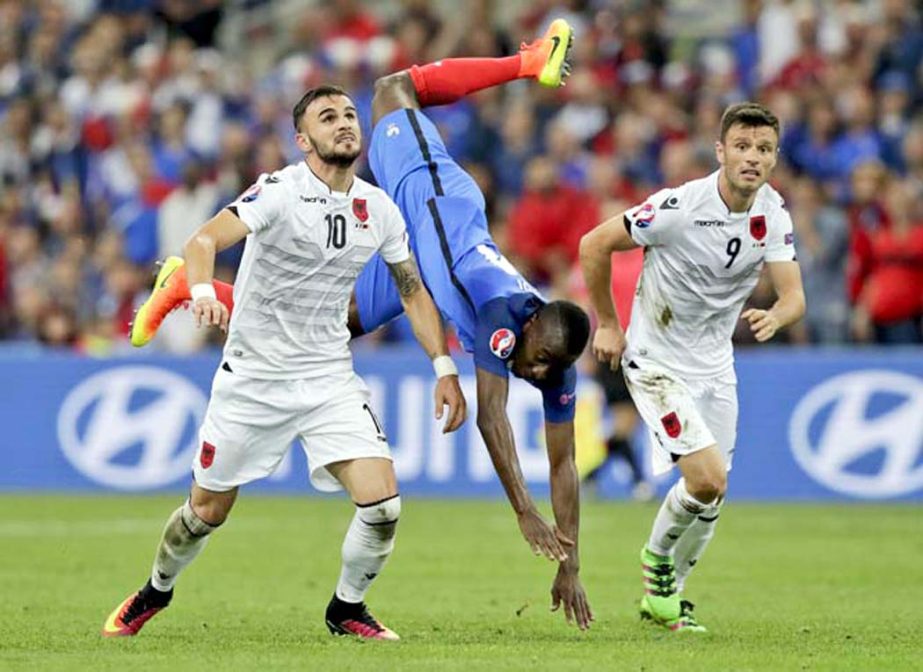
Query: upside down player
[705, 243]
[498, 315]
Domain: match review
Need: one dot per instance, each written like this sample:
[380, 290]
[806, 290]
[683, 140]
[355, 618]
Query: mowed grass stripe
[783, 587]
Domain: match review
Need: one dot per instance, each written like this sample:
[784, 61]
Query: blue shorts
[376, 294]
[444, 211]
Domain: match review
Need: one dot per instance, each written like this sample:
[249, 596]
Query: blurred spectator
[125, 125]
[123, 295]
[57, 327]
[821, 240]
[859, 141]
[890, 306]
[811, 146]
[518, 145]
[185, 210]
[547, 222]
[867, 215]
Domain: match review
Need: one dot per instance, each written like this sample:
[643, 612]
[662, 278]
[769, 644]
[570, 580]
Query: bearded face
[330, 129]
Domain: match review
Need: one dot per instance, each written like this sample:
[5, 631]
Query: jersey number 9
[733, 249]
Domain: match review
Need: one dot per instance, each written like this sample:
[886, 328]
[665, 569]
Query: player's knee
[381, 516]
[709, 487]
[393, 92]
[211, 511]
[394, 85]
[194, 522]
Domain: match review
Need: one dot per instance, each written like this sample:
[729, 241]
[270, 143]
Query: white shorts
[683, 416]
[250, 425]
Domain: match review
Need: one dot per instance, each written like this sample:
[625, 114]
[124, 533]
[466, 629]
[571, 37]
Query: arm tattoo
[406, 276]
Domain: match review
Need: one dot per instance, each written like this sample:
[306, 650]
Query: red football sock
[446, 81]
[225, 294]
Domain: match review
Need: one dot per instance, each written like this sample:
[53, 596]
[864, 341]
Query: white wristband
[203, 290]
[444, 366]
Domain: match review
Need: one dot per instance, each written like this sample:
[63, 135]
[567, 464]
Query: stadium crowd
[127, 123]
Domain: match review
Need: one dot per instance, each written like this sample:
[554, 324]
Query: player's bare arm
[427, 327]
[565, 500]
[494, 426]
[218, 233]
[596, 248]
[788, 308]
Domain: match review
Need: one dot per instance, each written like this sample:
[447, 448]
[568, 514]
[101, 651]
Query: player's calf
[184, 537]
[367, 546]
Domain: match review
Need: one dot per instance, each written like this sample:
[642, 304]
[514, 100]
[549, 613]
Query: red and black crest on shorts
[207, 455]
[758, 226]
[671, 424]
[360, 209]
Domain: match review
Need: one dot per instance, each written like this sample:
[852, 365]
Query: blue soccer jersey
[475, 287]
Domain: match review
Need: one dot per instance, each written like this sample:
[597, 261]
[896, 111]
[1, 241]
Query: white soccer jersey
[701, 262]
[306, 249]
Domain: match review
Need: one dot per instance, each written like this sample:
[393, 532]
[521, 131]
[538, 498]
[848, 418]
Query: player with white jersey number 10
[705, 244]
[287, 370]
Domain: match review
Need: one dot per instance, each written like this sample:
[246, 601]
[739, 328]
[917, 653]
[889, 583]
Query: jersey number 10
[336, 231]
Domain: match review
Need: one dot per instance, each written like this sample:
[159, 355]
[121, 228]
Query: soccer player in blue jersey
[499, 316]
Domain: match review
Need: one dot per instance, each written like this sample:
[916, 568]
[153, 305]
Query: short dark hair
[748, 114]
[567, 325]
[311, 96]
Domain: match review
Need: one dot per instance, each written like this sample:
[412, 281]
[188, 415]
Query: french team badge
[645, 215]
[207, 456]
[758, 226]
[502, 342]
[360, 209]
[671, 424]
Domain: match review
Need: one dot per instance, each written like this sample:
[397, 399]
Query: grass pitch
[783, 587]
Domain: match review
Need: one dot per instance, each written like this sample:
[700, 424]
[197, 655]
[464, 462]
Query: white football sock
[368, 543]
[184, 537]
[676, 514]
[692, 544]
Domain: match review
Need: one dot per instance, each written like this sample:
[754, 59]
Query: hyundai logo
[132, 427]
[861, 433]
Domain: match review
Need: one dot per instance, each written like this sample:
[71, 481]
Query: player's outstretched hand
[608, 345]
[567, 590]
[449, 393]
[763, 323]
[544, 539]
[211, 313]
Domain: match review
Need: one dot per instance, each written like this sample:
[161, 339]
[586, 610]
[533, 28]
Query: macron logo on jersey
[645, 216]
[502, 342]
